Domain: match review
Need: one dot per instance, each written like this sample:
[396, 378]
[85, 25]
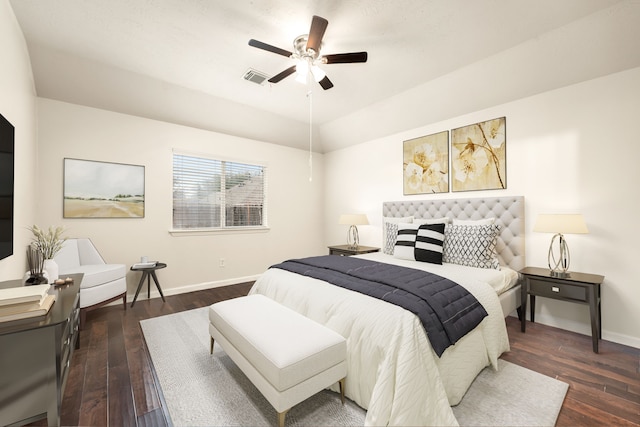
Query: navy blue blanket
[447, 310]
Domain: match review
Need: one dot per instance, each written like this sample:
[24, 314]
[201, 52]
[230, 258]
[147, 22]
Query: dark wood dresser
[35, 355]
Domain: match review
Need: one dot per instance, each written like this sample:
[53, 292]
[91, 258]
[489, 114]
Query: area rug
[201, 389]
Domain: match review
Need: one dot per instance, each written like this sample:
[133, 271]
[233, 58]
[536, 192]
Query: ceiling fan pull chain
[309, 95]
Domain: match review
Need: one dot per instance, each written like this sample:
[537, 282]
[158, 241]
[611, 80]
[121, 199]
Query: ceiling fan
[307, 54]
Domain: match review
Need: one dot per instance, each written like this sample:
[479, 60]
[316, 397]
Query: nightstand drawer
[346, 250]
[556, 290]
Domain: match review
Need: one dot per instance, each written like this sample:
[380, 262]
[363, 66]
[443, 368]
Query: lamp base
[353, 240]
[559, 263]
[559, 274]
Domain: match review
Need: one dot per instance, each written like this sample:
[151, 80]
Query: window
[209, 193]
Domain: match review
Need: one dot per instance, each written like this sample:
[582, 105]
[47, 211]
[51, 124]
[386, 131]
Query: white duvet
[392, 370]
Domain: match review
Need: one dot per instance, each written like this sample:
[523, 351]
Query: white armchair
[102, 283]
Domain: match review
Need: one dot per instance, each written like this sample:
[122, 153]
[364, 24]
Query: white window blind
[209, 193]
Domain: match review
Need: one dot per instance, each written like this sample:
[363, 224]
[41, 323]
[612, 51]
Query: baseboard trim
[585, 329]
[185, 289]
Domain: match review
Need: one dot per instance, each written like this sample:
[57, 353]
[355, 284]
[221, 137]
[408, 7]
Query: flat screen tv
[7, 134]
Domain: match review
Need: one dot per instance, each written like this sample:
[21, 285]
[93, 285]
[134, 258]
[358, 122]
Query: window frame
[223, 229]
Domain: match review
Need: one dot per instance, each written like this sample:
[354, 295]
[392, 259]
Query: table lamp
[560, 224]
[353, 220]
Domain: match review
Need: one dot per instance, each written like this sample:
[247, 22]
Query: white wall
[596, 45]
[574, 149]
[17, 104]
[295, 213]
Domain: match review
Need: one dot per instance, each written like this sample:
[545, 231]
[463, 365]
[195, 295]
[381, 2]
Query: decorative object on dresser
[581, 288]
[25, 302]
[560, 224]
[353, 220]
[426, 164]
[35, 260]
[49, 243]
[346, 250]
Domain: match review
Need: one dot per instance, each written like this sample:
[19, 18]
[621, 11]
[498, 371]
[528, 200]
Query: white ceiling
[182, 61]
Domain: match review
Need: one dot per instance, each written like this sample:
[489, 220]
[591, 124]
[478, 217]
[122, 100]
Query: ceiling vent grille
[255, 76]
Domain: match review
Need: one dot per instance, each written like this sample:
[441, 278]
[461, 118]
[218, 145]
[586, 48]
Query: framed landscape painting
[95, 189]
[478, 156]
[426, 164]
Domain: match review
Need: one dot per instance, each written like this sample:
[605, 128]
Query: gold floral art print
[426, 164]
[478, 156]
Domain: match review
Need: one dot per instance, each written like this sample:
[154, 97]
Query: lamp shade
[561, 223]
[353, 219]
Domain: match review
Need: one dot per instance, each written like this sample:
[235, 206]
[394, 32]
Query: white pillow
[443, 220]
[486, 221]
[390, 231]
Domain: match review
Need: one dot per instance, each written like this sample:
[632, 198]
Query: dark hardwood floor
[111, 381]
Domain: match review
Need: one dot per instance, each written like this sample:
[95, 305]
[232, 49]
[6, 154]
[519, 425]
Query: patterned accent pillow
[390, 232]
[471, 245]
[405, 241]
[429, 242]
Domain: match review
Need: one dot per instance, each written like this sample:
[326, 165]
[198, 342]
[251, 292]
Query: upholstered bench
[287, 356]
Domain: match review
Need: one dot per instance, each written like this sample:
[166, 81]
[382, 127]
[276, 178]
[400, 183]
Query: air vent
[255, 76]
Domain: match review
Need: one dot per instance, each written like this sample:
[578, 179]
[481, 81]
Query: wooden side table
[581, 288]
[148, 273]
[346, 250]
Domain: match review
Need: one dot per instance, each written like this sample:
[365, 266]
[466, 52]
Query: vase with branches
[48, 243]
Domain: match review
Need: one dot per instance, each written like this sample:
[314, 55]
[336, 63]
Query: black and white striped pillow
[405, 241]
[420, 242]
[429, 242]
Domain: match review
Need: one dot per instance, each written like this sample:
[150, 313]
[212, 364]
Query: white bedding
[500, 280]
[392, 370]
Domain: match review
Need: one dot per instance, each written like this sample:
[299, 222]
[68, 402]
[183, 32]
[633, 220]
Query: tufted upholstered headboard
[508, 212]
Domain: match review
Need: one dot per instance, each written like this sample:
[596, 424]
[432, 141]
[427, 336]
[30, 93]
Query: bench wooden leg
[211, 350]
[342, 389]
[281, 416]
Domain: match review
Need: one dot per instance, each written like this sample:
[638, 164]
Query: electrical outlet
[222, 263]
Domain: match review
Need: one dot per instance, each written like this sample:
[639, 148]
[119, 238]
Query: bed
[393, 371]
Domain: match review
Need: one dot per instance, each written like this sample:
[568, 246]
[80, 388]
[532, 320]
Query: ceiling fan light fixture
[301, 78]
[302, 70]
[318, 73]
[307, 54]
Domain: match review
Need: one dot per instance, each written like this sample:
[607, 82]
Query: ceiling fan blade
[318, 27]
[268, 47]
[326, 83]
[282, 75]
[346, 58]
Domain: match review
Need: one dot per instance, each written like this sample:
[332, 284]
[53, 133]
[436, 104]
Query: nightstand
[346, 250]
[581, 288]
